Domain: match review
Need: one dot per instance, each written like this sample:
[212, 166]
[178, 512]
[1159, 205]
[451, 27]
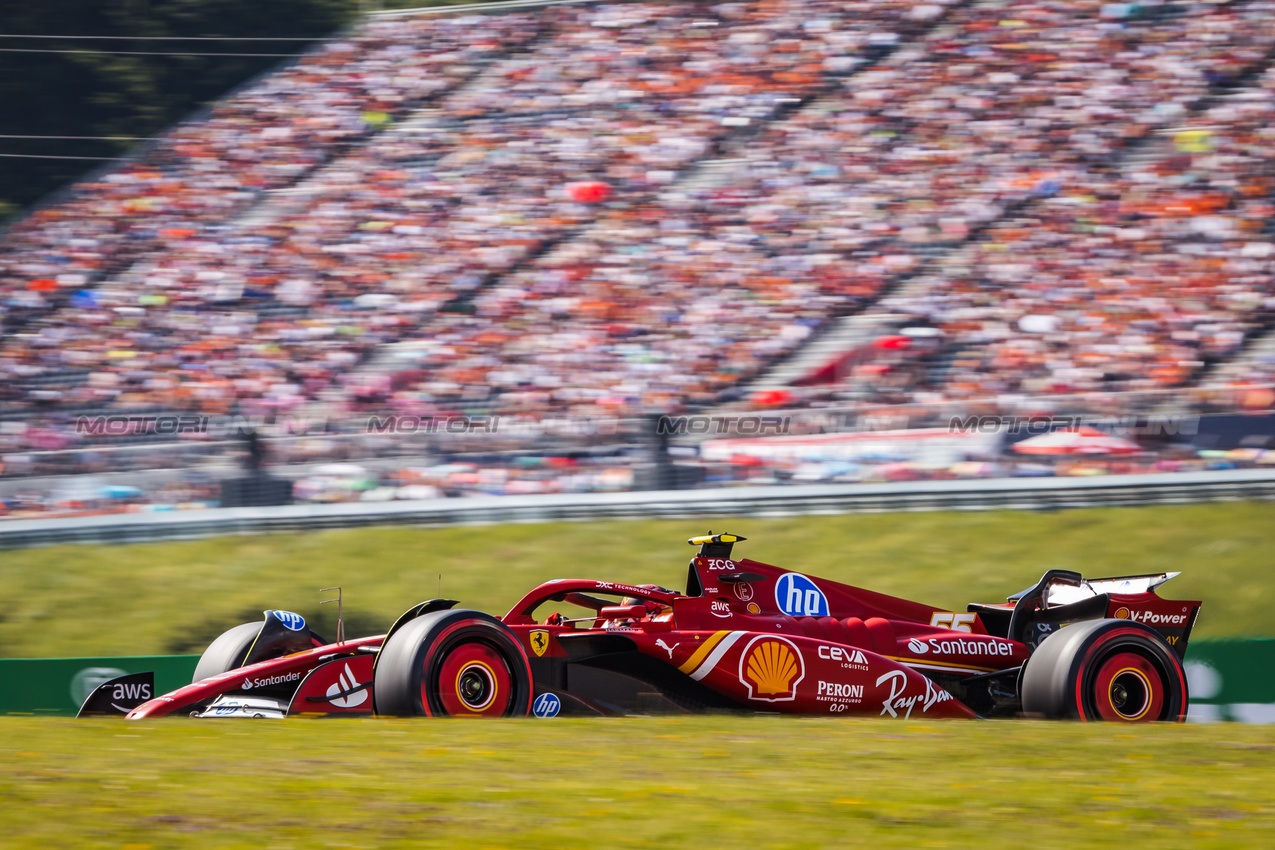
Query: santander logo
[917, 647]
[338, 692]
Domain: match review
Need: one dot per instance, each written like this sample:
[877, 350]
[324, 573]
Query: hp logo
[546, 705]
[293, 622]
[798, 596]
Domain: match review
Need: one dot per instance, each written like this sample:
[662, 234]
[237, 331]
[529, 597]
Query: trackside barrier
[475, 8]
[1229, 680]
[59, 685]
[990, 494]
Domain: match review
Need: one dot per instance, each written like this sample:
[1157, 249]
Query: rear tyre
[227, 652]
[452, 664]
[1113, 670]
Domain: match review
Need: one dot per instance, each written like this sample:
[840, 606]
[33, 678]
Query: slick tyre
[452, 664]
[1112, 670]
[227, 652]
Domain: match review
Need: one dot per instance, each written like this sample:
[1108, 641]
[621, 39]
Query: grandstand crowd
[615, 209]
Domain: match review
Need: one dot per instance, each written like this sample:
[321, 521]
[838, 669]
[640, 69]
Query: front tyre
[1113, 670]
[227, 652]
[453, 664]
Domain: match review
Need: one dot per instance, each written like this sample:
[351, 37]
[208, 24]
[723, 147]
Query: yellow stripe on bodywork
[939, 665]
[698, 656]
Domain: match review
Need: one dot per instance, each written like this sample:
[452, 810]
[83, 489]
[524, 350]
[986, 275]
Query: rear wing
[1063, 596]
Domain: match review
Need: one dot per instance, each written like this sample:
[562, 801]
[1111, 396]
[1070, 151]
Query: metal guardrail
[480, 8]
[992, 494]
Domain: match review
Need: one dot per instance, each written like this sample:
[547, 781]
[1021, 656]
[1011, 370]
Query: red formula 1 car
[744, 636]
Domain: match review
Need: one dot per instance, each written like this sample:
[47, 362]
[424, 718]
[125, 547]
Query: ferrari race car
[744, 636]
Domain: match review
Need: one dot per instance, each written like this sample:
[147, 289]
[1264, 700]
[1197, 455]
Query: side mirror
[622, 612]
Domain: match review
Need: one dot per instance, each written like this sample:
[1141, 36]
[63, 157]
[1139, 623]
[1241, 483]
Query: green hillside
[175, 597]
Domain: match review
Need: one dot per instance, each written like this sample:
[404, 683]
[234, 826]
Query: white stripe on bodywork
[716, 655]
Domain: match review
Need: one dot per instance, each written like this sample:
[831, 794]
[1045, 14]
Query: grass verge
[677, 782]
[175, 597]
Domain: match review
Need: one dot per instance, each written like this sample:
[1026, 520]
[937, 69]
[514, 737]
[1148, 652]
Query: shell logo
[1122, 613]
[771, 668]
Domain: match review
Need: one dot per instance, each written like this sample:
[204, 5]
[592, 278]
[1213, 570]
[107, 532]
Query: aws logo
[771, 668]
[127, 691]
[798, 596]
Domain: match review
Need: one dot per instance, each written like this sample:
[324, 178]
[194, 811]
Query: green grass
[639, 782]
[175, 597]
[730, 781]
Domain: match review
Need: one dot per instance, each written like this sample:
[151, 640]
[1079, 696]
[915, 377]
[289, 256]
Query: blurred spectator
[525, 197]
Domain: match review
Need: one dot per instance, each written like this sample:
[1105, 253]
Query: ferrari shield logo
[539, 642]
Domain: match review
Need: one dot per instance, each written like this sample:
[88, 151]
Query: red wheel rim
[1127, 689]
[474, 681]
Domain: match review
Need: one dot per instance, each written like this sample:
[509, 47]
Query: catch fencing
[991, 494]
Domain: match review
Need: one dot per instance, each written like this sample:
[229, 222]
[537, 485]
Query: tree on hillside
[102, 91]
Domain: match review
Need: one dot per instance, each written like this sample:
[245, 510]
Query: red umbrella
[1076, 441]
[772, 398]
[1258, 399]
[589, 191]
[891, 343]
